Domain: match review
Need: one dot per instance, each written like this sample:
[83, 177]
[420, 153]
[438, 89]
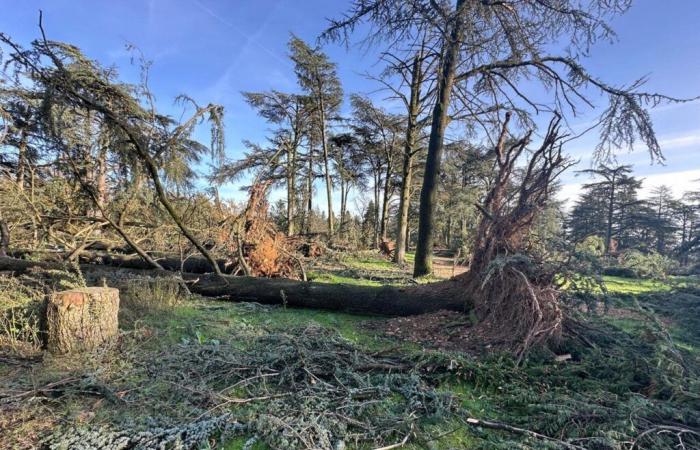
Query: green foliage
[21, 310]
[647, 265]
[592, 245]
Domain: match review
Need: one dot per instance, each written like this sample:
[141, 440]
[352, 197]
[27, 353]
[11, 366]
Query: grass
[638, 286]
[336, 278]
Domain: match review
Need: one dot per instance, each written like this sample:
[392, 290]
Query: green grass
[619, 285]
[637, 286]
[203, 320]
[335, 278]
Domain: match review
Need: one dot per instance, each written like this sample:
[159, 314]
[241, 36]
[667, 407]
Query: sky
[213, 50]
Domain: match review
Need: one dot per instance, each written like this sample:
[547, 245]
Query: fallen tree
[513, 290]
[191, 264]
[382, 300]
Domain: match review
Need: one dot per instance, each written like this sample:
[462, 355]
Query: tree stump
[81, 319]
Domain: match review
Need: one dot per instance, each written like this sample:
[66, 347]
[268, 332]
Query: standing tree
[290, 112]
[411, 76]
[615, 179]
[347, 159]
[317, 76]
[380, 136]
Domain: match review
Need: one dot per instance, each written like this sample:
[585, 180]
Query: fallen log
[194, 264]
[382, 300]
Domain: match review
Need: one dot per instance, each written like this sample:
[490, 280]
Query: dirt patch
[442, 330]
[445, 267]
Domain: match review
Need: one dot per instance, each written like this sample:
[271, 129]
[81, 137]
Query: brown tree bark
[4, 238]
[291, 189]
[22, 159]
[428, 196]
[81, 319]
[385, 201]
[412, 130]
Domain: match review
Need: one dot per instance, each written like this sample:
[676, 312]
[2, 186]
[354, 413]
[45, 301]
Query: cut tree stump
[81, 319]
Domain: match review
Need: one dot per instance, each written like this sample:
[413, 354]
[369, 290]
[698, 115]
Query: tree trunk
[385, 201]
[326, 168]
[428, 196]
[4, 238]
[343, 205]
[309, 190]
[22, 159]
[611, 208]
[375, 230]
[291, 189]
[81, 319]
[409, 152]
[383, 300]
[102, 176]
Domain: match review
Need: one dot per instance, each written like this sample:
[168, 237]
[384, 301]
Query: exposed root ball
[515, 310]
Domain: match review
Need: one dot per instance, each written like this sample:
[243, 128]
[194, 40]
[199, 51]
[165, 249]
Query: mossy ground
[540, 395]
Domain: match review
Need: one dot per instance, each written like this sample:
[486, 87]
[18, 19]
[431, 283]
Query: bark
[81, 319]
[291, 189]
[375, 230]
[343, 200]
[383, 300]
[22, 160]
[173, 263]
[102, 176]
[4, 238]
[309, 190]
[327, 173]
[428, 198]
[407, 170]
[385, 201]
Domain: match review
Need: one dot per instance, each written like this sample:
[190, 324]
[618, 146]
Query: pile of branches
[193, 435]
[307, 388]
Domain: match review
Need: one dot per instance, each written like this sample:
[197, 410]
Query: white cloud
[680, 182]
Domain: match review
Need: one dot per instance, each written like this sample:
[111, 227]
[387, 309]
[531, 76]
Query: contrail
[247, 37]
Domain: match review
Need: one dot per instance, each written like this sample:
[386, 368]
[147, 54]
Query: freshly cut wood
[81, 319]
[381, 300]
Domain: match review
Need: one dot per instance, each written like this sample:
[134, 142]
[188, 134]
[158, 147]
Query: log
[194, 264]
[374, 300]
[81, 319]
[382, 300]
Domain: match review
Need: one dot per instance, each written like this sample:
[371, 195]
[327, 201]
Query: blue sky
[214, 49]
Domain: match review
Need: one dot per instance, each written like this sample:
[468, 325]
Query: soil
[442, 330]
